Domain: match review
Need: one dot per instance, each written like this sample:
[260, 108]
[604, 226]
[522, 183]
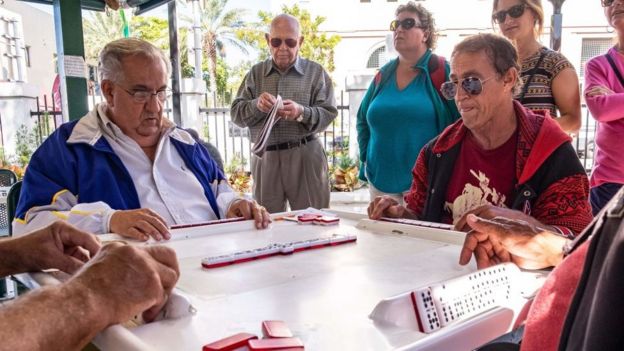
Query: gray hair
[110, 67]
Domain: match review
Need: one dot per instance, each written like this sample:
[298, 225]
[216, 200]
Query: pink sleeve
[604, 108]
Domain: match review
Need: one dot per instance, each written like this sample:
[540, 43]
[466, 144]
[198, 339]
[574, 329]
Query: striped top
[539, 96]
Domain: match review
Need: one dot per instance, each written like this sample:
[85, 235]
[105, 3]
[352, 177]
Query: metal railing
[584, 141]
[48, 118]
[234, 145]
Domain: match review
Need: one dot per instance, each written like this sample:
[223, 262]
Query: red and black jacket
[551, 184]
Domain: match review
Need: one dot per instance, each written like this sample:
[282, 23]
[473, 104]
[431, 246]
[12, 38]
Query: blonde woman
[549, 81]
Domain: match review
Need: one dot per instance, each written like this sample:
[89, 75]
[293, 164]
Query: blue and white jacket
[75, 175]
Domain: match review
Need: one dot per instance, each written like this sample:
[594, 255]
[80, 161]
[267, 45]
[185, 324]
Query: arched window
[377, 58]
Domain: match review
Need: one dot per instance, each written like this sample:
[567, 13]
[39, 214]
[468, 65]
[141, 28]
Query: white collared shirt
[165, 186]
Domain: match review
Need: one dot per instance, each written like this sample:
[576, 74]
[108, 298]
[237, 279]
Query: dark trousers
[600, 195]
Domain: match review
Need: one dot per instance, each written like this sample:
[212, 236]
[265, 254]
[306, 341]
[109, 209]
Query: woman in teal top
[402, 109]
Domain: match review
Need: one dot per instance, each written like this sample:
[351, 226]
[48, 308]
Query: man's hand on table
[497, 240]
[385, 206]
[140, 224]
[249, 209]
[122, 281]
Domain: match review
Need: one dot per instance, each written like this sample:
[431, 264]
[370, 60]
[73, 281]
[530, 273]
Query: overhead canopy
[70, 49]
[99, 5]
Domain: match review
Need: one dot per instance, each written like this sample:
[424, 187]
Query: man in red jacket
[499, 159]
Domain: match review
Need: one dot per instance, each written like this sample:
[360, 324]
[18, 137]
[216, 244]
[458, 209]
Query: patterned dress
[539, 95]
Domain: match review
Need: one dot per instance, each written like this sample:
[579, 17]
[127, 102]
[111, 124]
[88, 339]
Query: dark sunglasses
[607, 3]
[407, 24]
[471, 85]
[513, 12]
[277, 42]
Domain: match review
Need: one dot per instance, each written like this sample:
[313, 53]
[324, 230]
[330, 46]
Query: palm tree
[100, 28]
[218, 27]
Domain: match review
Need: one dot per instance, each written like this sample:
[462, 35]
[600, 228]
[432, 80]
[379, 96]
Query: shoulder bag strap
[615, 69]
[525, 89]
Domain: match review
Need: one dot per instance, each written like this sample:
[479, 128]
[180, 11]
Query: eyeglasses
[471, 85]
[143, 96]
[607, 3]
[277, 42]
[407, 24]
[513, 12]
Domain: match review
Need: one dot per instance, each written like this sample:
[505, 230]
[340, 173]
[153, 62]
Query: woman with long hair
[549, 81]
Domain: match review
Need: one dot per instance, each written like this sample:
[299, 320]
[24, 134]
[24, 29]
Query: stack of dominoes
[312, 218]
[213, 222]
[276, 249]
[418, 223]
[461, 298]
[276, 336]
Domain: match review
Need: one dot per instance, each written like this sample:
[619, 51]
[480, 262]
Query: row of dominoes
[276, 336]
[276, 249]
[461, 298]
[417, 223]
[201, 224]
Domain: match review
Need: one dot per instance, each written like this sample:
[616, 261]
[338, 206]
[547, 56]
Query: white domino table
[325, 296]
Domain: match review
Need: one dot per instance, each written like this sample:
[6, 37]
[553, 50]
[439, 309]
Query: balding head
[286, 21]
[284, 40]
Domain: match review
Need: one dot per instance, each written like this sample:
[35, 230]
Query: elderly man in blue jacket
[123, 168]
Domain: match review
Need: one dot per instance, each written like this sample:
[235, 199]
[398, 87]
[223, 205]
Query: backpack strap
[437, 72]
[377, 78]
[615, 69]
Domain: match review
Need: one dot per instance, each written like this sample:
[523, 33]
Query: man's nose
[153, 103]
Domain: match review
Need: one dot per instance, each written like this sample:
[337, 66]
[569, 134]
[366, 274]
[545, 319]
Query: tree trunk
[210, 47]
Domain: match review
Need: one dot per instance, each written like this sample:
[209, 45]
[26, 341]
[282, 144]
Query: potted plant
[344, 174]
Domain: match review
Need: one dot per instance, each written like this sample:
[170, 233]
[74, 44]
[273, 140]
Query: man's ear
[300, 40]
[107, 91]
[268, 41]
[511, 78]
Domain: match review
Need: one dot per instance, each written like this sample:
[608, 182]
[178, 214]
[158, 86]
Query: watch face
[300, 118]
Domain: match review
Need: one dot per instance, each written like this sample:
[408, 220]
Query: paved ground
[350, 201]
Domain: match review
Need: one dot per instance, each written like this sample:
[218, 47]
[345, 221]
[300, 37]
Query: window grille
[377, 58]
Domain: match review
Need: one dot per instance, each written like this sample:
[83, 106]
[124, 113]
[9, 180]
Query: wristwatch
[300, 117]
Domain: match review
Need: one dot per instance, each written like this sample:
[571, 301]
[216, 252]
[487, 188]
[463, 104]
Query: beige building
[27, 48]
